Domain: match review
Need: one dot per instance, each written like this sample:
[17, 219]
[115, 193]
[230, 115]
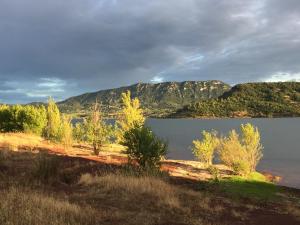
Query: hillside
[281, 99]
[157, 99]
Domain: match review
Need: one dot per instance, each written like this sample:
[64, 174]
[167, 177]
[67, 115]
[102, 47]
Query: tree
[251, 141]
[66, 132]
[204, 150]
[97, 132]
[144, 147]
[53, 116]
[34, 119]
[242, 153]
[17, 118]
[131, 115]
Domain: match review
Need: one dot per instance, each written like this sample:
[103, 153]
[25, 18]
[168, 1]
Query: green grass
[254, 186]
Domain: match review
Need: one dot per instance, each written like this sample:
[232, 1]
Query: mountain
[157, 99]
[277, 99]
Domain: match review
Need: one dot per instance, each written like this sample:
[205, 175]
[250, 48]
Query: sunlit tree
[130, 116]
[53, 124]
[204, 149]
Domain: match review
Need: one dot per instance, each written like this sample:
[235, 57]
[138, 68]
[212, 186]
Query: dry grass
[164, 193]
[16, 141]
[20, 207]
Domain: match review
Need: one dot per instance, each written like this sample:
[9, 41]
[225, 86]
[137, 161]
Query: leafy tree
[242, 153]
[251, 142]
[17, 118]
[79, 132]
[97, 132]
[204, 150]
[34, 119]
[130, 116]
[144, 147]
[66, 132]
[53, 116]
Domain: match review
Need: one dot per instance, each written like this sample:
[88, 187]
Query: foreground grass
[25, 206]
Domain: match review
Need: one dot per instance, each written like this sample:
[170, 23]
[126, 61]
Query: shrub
[204, 150]
[144, 147]
[215, 172]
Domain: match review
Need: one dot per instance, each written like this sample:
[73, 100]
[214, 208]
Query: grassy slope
[81, 191]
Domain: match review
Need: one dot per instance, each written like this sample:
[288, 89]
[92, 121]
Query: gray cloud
[63, 48]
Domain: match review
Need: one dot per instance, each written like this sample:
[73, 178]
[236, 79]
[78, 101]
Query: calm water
[280, 138]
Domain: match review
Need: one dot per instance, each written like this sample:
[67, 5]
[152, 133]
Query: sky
[65, 48]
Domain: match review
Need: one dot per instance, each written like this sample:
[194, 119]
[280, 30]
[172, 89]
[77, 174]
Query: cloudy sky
[64, 48]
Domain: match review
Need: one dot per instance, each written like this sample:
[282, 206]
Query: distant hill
[158, 99]
[280, 99]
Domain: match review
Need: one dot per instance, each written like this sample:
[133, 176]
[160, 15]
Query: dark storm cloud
[63, 48]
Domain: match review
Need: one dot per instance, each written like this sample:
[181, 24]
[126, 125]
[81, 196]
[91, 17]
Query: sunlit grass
[254, 186]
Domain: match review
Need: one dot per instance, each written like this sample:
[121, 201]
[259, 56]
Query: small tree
[242, 153]
[130, 115]
[66, 132]
[53, 116]
[144, 147]
[251, 142]
[204, 150]
[79, 132]
[97, 132]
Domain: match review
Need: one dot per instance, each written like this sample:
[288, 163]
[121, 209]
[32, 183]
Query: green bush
[144, 147]
[17, 118]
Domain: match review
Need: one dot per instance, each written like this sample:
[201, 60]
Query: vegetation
[157, 100]
[88, 192]
[241, 153]
[66, 132]
[249, 100]
[53, 124]
[96, 130]
[204, 150]
[130, 116]
[17, 118]
[144, 147]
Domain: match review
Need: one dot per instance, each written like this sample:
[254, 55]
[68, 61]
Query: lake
[279, 136]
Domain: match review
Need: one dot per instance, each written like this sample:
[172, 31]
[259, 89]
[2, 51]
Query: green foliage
[97, 132]
[79, 132]
[52, 131]
[157, 100]
[242, 153]
[17, 118]
[66, 132]
[204, 150]
[252, 99]
[130, 116]
[144, 147]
